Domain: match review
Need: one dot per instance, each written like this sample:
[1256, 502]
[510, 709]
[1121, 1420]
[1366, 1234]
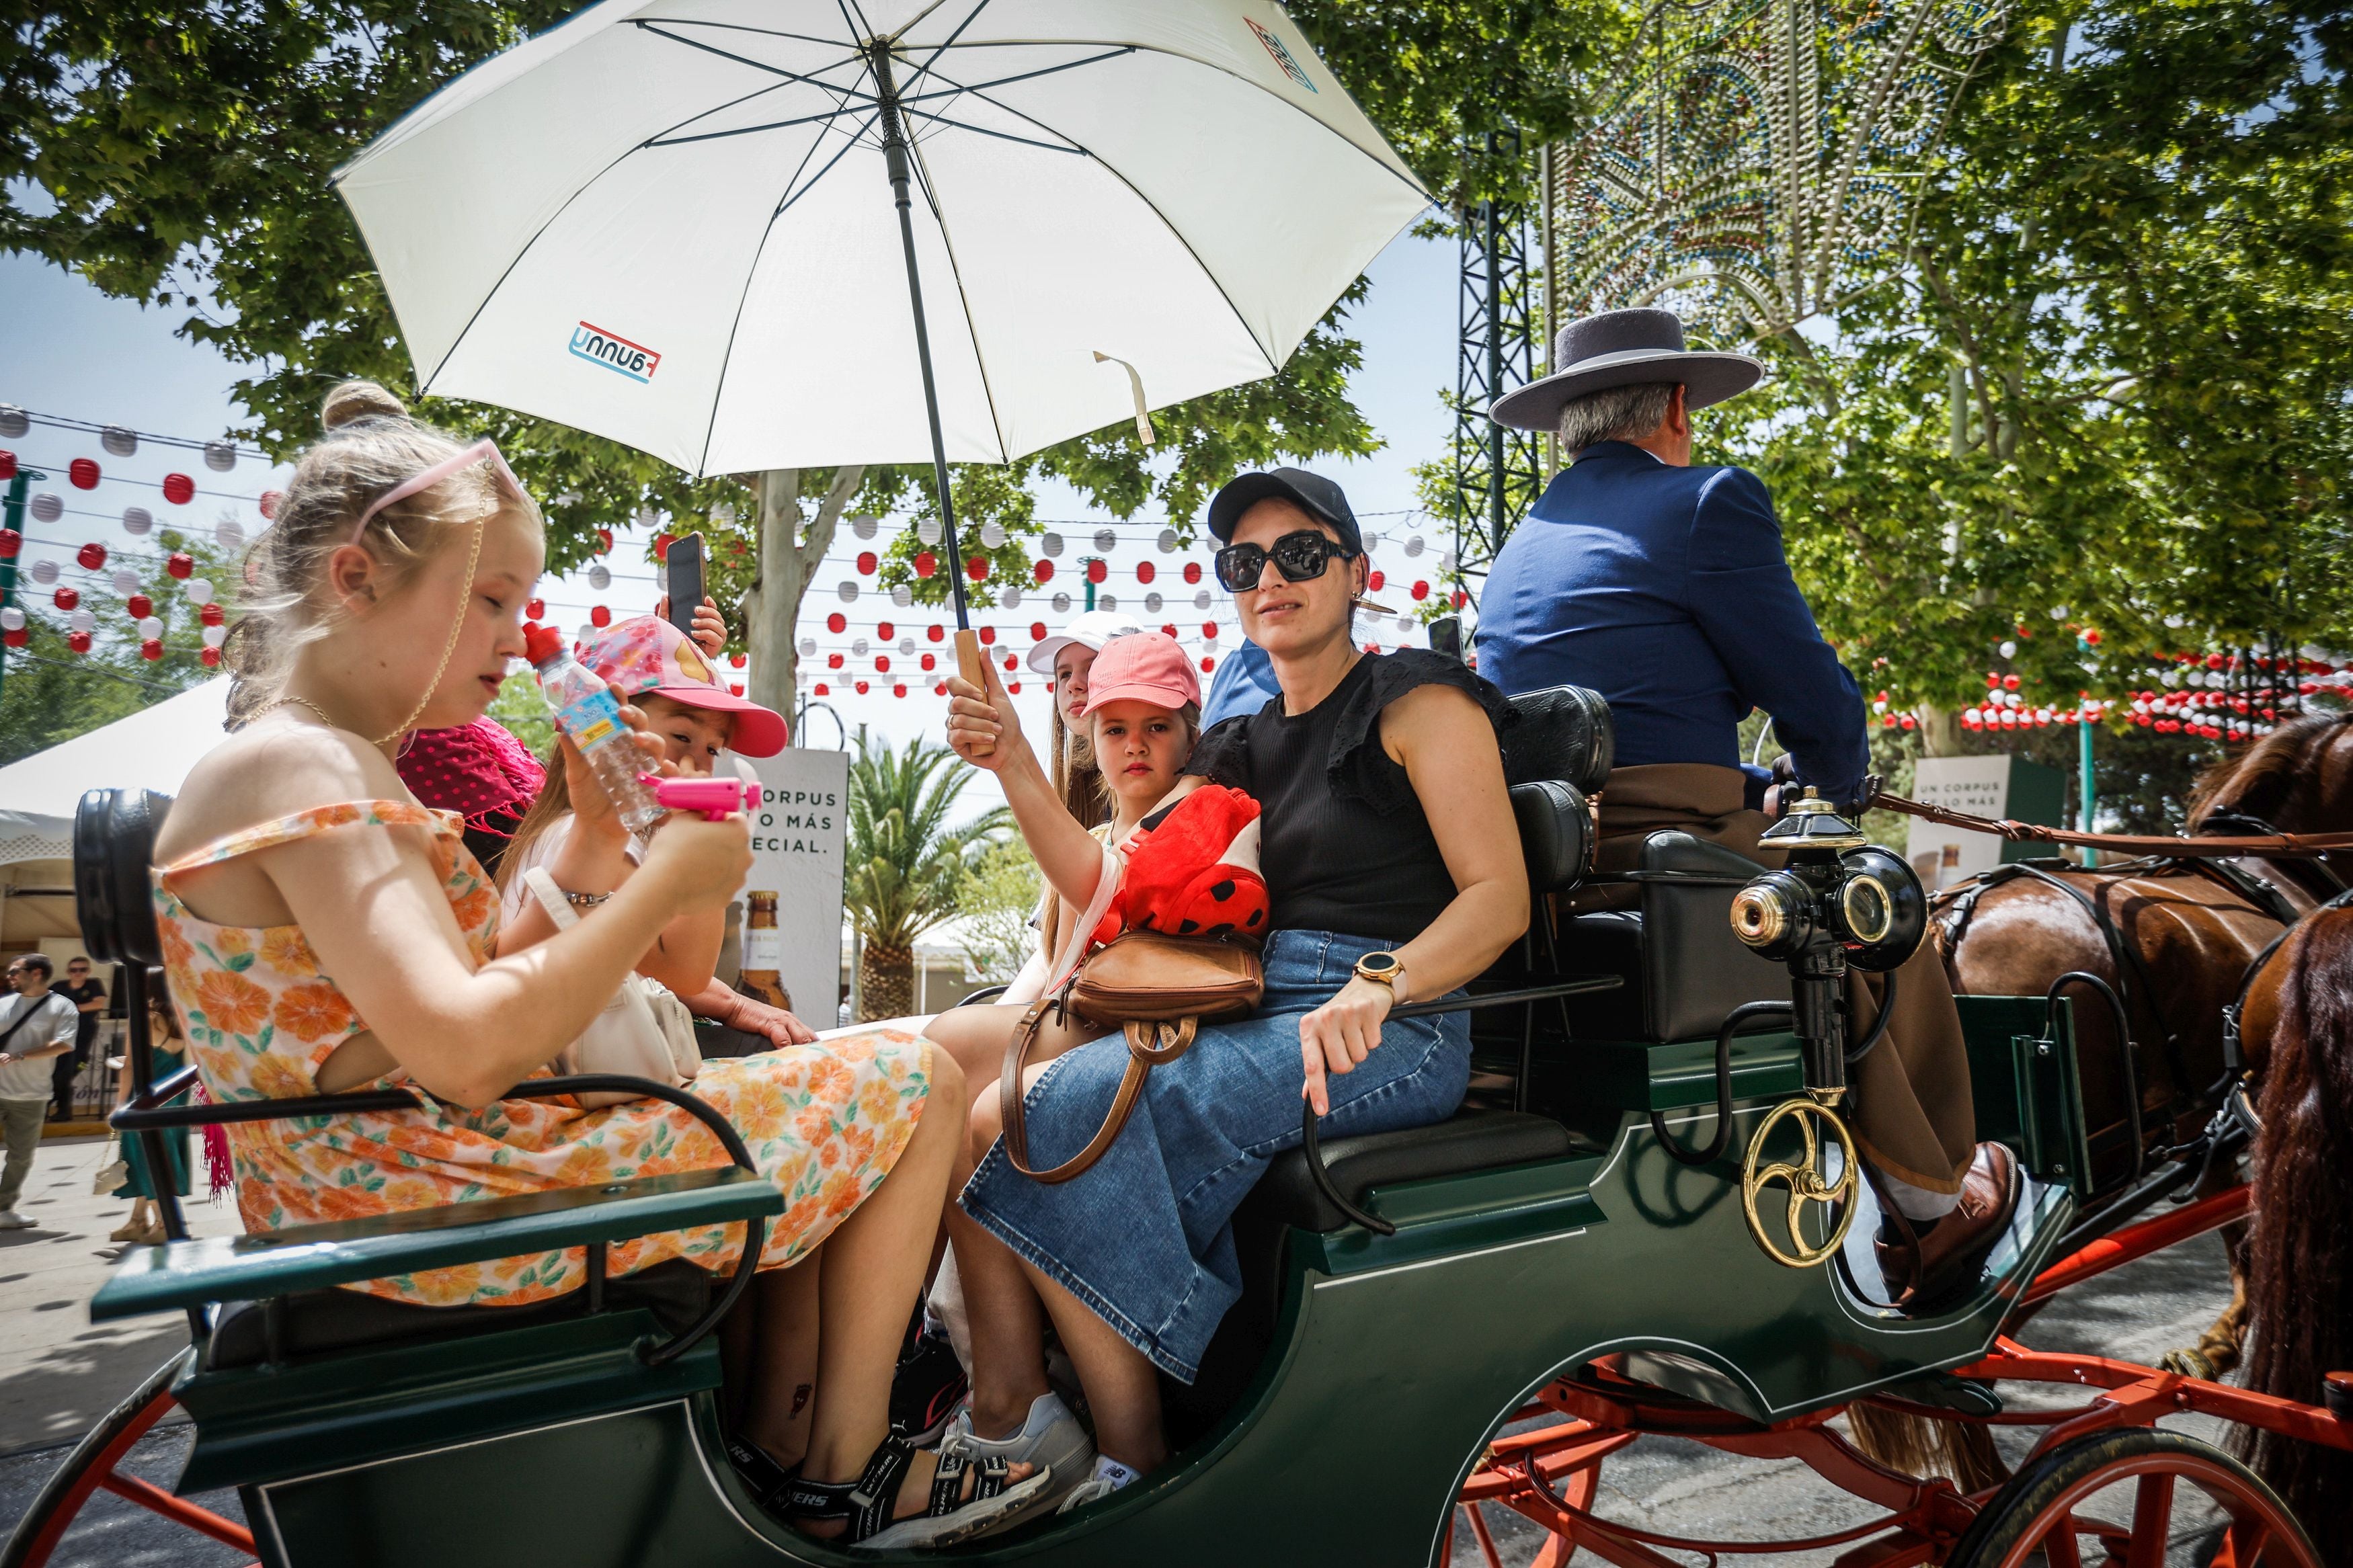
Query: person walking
[88, 994]
[35, 1025]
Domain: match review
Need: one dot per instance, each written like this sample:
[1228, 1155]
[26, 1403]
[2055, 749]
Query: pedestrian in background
[35, 1025]
[88, 994]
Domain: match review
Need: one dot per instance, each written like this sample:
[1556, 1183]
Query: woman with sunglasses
[323, 933]
[1394, 868]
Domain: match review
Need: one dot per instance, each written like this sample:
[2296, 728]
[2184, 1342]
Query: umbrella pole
[894, 157]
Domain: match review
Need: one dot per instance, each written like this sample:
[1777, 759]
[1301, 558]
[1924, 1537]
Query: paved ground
[58, 1373]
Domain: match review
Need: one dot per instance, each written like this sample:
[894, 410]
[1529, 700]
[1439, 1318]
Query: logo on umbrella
[635, 361]
[1290, 67]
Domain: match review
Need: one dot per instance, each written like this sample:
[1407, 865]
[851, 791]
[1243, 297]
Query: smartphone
[1445, 634]
[684, 561]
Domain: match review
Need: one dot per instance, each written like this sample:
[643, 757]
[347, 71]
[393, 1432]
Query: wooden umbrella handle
[973, 665]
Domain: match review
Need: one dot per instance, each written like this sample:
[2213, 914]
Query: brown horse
[2298, 1026]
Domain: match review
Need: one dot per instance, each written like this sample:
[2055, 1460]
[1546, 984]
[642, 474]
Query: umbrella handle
[973, 665]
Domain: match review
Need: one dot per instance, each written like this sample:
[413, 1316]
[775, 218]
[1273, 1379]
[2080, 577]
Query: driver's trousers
[1912, 1111]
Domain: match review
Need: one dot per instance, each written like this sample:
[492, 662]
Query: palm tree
[903, 865]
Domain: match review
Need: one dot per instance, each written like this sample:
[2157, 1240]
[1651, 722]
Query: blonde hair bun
[360, 400]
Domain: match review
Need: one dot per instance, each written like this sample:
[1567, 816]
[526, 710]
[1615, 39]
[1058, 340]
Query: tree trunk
[886, 981]
[1940, 732]
[788, 555]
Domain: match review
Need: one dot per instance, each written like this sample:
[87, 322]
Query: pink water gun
[714, 798]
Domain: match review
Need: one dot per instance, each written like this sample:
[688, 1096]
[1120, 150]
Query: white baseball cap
[1091, 629]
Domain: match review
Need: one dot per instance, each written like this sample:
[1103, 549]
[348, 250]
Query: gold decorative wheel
[1819, 1126]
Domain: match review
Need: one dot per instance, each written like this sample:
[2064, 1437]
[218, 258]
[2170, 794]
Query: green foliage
[998, 896]
[903, 865]
[523, 708]
[2113, 391]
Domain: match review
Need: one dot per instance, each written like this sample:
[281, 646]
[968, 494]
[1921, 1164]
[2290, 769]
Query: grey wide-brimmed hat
[1619, 348]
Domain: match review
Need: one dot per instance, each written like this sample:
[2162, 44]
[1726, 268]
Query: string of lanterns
[2213, 696]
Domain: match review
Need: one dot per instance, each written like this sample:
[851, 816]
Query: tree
[903, 865]
[996, 902]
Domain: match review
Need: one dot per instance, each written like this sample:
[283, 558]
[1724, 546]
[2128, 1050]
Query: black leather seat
[1684, 968]
[1468, 1141]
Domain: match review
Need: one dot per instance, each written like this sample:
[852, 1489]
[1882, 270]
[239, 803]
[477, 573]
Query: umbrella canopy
[670, 222]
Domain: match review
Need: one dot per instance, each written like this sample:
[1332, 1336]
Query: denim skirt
[1143, 1237]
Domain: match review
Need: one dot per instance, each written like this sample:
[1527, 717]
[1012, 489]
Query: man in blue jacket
[1662, 585]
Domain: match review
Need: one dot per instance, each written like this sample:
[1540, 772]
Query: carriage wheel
[2131, 1499]
[1578, 1489]
[91, 1468]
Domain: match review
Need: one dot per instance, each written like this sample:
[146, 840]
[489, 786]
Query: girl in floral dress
[324, 932]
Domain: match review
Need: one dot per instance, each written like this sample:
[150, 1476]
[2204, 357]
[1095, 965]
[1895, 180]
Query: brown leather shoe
[1924, 1268]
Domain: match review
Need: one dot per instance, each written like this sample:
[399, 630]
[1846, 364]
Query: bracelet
[583, 900]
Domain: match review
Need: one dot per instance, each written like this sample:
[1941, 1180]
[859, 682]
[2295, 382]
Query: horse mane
[2261, 779]
[2300, 1245]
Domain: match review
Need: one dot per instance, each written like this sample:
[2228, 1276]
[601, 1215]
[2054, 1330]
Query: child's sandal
[867, 1503]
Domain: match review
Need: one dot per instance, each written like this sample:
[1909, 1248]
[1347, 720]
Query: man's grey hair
[1620, 413]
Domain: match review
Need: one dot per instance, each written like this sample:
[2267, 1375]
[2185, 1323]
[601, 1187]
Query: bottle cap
[541, 644]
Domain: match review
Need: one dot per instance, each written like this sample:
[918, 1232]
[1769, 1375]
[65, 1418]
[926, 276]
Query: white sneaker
[1109, 1477]
[11, 1220]
[1050, 1437]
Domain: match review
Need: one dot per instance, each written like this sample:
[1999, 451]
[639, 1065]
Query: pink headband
[484, 450]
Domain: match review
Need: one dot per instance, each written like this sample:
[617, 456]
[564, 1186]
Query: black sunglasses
[1298, 556]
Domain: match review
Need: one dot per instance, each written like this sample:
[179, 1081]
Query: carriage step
[1942, 1389]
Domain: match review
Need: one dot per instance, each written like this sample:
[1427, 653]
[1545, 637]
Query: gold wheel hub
[1819, 1126]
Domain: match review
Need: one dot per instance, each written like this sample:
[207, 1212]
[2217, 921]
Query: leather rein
[2270, 846]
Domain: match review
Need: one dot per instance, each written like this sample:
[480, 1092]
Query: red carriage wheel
[90, 1468]
[2141, 1497]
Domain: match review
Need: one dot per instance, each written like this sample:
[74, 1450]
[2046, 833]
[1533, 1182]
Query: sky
[75, 354]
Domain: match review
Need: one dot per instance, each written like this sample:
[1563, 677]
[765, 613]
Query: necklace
[324, 717]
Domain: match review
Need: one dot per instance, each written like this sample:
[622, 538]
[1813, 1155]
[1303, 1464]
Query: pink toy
[714, 798]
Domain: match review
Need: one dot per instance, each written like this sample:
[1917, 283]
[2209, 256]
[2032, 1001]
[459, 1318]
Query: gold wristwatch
[1381, 969]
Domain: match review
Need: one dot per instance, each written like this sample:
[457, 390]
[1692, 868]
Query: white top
[513, 897]
[31, 1080]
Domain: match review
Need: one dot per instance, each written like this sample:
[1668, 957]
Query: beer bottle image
[1948, 869]
[764, 952]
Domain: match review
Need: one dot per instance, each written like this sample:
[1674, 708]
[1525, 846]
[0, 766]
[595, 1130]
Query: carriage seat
[326, 1323]
[1468, 1141]
[1684, 969]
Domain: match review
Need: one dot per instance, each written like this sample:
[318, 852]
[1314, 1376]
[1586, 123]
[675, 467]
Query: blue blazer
[1665, 590]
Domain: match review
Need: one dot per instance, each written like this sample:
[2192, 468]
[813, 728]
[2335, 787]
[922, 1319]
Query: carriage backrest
[113, 847]
[1564, 734]
[1556, 833]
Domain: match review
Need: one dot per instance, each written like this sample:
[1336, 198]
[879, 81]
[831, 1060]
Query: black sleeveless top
[1344, 844]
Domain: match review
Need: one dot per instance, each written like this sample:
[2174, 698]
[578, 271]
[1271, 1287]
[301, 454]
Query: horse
[2297, 1026]
[2174, 941]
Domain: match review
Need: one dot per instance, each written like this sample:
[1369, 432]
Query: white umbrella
[670, 222]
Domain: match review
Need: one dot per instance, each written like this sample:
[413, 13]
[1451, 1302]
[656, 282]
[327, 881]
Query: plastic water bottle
[585, 712]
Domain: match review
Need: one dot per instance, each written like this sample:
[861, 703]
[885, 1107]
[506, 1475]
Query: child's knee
[983, 1124]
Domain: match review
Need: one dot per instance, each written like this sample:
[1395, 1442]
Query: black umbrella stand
[969, 663]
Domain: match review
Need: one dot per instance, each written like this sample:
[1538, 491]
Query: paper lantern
[91, 555]
[83, 620]
[1014, 688]
[1207, 663]
[11, 618]
[988, 636]
[1009, 598]
[138, 607]
[1097, 571]
[1145, 572]
[151, 629]
[906, 645]
[11, 543]
[977, 568]
[599, 616]
[992, 534]
[1414, 545]
[79, 642]
[662, 542]
[8, 465]
[926, 562]
[230, 533]
[82, 473]
[837, 623]
[883, 663]
[866, 562]
[600, 576]
[885, 630]
[65, 598]
[1201, 600]
[1107, 601]
[1061, 602]
[152, 649]
[604, 535]
[903, 595]
[179, 490]
[927, 529]
[211, 615]
[898, 691]
[214, 635]
[1169, 632]
[861, 689]
[1011, 662]
[1192, 571]
[864, 525]
[15, 637]
[735, 687]
[13, 422]
[1152, 603]
[125, 580]
[807, 648]
[1106, 541]
[220, 456]
[1421, 589]
[138, 519]
[1209, 631]
[1051, 544]
[1043, 570]
[1167, 541]
[1373, 583]
[833, 661]
[930, 662]
[211, 656]
[847, 591]
[45, 572]
[820, 689]
[47, 508]
[858, 648]
[200, 592]
[118, 440]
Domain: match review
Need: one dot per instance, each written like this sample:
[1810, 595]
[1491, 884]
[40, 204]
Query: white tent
[152, 749]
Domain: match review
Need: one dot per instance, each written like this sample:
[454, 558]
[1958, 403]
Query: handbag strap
[1147, 1046]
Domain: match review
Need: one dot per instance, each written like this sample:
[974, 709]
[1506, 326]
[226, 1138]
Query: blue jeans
[1143, 1237]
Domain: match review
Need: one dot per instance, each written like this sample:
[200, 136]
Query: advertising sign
[790, 904]
[1997, 786]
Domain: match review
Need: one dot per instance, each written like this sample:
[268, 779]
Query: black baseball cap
[1318, 497]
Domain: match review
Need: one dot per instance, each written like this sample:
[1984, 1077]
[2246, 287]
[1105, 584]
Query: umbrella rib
[762, 64]
[727, 358]
[1025, 75]
[924, 69]
[734, 28]
[1066, 146]
[831, 114]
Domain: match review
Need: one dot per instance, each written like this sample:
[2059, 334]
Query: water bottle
[586, 713]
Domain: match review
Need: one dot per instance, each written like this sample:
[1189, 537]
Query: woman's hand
[1342, 1033]
[983, 728]
[709, 633]
[756, 1017]
[697, 862]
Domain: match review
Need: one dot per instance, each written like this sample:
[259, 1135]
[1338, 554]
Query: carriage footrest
[313, 1257]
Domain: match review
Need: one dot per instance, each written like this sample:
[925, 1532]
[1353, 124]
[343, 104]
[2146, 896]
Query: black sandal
[767, 1477]
[867, 1503]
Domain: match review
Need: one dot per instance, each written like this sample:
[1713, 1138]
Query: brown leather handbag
[1157, 988]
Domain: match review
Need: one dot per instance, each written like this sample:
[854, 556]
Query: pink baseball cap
[1142, 666]
[645, 653]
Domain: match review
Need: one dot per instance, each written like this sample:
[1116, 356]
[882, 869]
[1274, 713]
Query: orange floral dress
[825, 1122]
